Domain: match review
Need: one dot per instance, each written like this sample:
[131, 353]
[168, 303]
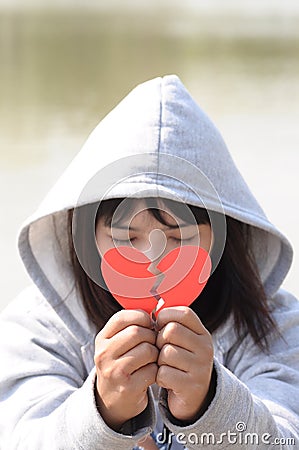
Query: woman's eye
[180, 240]
[177, 240]
[122, 241]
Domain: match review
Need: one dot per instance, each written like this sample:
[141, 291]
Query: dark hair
[234, 287]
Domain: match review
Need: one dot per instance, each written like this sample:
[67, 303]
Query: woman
[217, 368]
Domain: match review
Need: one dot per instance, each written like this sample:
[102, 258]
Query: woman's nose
[156, 245]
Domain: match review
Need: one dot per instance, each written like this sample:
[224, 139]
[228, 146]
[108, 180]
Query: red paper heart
[124, 270]
[186, 271]
[179, 288]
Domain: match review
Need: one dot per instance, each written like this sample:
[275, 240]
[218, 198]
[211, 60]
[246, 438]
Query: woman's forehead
[140, 214]
[150, 209]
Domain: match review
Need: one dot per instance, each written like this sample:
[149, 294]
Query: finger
[172, 378]
[140, 356]
[176, 357]
[122, 342]
[123, 319]
[144, 377]
[129, 338]
[182, 315]
[177, 334]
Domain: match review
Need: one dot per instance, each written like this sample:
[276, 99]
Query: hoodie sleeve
[256, 404]
[47, 399]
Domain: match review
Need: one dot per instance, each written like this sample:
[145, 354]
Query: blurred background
[65, 64]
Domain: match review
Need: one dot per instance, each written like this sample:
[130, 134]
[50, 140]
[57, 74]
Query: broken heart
[124, 270]
[186, 271]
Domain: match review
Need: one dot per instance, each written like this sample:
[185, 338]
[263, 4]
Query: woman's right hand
[126, 365]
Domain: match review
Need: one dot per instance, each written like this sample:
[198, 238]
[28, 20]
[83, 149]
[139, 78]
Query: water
[63, 70]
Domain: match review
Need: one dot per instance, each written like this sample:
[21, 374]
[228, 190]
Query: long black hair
[233, 288]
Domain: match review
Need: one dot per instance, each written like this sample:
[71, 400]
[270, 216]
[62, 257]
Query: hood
[156, 141]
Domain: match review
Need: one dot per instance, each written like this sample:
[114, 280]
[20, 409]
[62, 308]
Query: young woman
[205, 361]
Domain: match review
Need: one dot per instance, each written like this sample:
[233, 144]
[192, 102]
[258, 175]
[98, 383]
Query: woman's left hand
[185, 361]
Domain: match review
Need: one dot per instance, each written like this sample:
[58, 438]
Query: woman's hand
[185, 361]
[125, 359]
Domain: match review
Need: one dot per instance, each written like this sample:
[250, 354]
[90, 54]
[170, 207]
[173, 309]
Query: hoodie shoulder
[30, 299]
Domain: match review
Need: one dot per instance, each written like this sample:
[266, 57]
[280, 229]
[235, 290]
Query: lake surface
[63, 70]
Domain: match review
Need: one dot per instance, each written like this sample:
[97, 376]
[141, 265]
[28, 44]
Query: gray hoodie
[157, 140]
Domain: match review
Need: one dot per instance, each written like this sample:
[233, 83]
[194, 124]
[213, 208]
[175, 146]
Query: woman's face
[145, 233]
